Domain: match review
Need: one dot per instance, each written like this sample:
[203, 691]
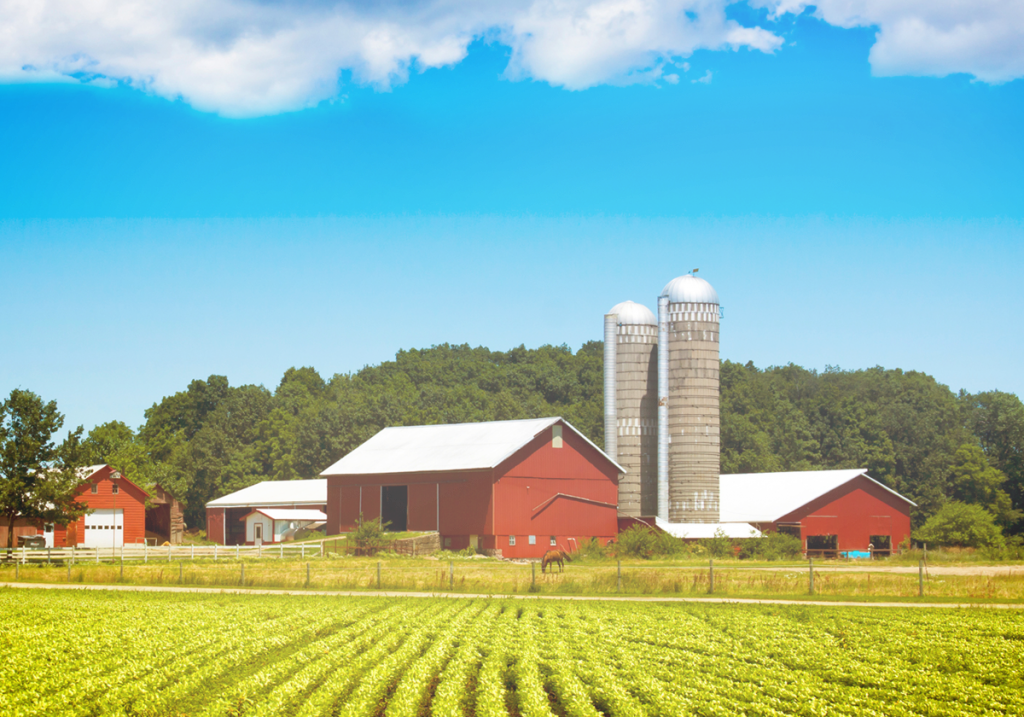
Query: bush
[591, 550]
[369, 536]
[772, 546]
[641, 541]
[719, 546]
[964, 525]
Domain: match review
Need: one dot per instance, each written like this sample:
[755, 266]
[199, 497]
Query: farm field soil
[159, 654]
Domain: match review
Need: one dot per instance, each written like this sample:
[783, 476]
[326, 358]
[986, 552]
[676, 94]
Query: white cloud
[672, 79]
[705, 80]
[253, 57]
[984, 38]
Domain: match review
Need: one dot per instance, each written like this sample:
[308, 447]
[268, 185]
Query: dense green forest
[908, 430]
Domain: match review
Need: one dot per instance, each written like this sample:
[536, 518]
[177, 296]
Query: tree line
[937, 447]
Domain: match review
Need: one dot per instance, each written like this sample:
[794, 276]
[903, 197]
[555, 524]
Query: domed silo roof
[632, 313]
[689, 288]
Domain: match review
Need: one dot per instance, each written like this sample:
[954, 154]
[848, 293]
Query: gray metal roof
[766, 497]
[700, 531]
[630, 312]
[689, 288]
[445, 447]
[276, 493]
[292, 514]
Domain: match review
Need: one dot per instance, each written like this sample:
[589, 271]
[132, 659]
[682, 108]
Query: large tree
[38, 479]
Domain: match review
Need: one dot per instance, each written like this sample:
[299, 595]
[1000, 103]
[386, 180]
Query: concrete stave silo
[689, 435]
[631, 425]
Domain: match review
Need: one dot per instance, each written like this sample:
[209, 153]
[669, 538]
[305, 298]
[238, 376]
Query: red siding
[853, 512]
[423, 513]
[215, 525]
[466, 492]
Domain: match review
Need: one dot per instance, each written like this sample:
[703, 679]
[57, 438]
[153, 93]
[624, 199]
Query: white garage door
[104, 528]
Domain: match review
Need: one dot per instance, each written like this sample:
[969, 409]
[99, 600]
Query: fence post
[69, 572]
[193, 552]
[618, 582]
[321, 549]
[303, 548]
[920, 578]
[215, 551]
[181, 569]
[23, 549]
[307, 575]
[72, 560]
[168, 552]
[378, 575]
[810, 567]
[533, 574]
[259, 550]
[242, 581]
[711, 576]
[451, 574]
[281, 556]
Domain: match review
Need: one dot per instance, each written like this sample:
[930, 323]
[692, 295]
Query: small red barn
[514, 487]
[840, 511]
[117, 517]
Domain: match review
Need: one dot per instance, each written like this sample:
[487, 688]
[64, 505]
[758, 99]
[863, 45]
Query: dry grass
[495, 577]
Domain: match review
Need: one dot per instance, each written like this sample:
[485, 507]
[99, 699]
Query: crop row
[141, 654]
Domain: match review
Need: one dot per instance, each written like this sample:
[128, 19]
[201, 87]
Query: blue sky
[855, 199]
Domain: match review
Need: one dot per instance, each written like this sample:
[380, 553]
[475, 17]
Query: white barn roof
[292, 513]
[766, 497]
[276, 493]
[700, 531]
[446, 447]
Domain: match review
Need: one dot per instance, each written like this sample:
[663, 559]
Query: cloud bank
[244, 58]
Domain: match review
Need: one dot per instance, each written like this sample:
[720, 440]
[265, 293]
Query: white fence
[168, 553]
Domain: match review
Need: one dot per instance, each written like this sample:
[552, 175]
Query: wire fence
[311, 566]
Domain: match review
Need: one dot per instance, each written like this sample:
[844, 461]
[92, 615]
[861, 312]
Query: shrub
[591, 550]
[772, 546]
[369, 536]
[641, 541]
[719, 546]
[962, 524]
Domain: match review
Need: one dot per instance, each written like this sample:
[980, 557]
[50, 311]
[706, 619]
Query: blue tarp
[856, 554]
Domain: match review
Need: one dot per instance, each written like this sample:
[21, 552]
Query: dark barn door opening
[394, 504]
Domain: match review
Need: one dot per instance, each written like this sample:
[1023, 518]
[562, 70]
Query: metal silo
[689, 436]
[630, 413]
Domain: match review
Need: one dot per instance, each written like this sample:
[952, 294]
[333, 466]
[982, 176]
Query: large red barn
[518, 487]
[830, 511]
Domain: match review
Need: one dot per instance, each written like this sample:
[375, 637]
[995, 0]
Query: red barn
[513, 487]
[118, 514]
[842, 511]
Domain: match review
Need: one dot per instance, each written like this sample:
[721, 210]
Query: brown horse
[554, 556]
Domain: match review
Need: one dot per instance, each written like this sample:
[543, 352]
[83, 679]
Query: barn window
[511, 540]
[556, 436]
[114, 488]
[95, 488]
[533, 540]
[553, 542]
[447, 542]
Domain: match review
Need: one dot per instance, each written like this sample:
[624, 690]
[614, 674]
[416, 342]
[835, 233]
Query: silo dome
[690, 289]
[631, 313]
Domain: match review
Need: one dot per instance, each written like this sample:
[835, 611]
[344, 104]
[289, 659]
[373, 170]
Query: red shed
[841, 511]
[513, 487]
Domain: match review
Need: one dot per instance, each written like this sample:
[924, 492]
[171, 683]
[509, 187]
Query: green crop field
[99, 653]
